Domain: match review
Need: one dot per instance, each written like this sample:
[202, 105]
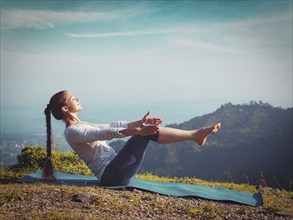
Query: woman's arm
[144, 127]
[132, 124]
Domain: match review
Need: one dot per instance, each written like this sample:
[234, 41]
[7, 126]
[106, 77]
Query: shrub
[32, 158]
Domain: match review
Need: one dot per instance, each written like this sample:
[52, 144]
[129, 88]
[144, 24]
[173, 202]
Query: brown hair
[55, 105]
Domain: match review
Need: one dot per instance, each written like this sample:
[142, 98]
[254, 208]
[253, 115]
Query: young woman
[88, 140]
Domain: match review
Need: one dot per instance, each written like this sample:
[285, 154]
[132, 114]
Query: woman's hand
[151, 121]
[144, 127]
[146, 130]
[148, 126]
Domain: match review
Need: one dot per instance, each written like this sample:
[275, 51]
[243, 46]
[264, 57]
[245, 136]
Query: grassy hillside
[43, 201]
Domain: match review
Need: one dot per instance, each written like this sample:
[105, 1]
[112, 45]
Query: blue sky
[139, 52]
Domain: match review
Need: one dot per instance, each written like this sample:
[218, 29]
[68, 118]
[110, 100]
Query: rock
[84, 197]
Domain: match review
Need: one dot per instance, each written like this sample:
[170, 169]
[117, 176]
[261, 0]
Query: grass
[43, 201]
[278, 200]
[187, 180]
[275, 200]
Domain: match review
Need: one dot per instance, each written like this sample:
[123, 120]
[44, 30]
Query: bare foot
[201, 135]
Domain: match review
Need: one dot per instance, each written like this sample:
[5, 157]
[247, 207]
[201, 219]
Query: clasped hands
[148, 125]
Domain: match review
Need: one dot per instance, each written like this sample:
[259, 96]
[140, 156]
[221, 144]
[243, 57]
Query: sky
[186, 57]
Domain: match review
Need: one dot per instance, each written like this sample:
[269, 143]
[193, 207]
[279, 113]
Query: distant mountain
[255, 141]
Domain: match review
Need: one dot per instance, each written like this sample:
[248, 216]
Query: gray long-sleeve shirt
[88, 141]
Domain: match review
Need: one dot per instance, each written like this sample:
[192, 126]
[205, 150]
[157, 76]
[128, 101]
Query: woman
[88, 140]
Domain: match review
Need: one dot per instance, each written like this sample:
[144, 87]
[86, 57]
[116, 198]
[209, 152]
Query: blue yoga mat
[172, 189]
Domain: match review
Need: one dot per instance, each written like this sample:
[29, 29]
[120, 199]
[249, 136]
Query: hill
[255, 141]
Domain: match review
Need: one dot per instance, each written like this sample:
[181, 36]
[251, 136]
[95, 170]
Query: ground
[43, 201]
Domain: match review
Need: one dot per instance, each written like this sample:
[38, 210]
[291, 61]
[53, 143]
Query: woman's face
[72, 103]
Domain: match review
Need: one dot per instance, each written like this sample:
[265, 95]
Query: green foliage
[7, 176]
[32, 158]
[69, 161]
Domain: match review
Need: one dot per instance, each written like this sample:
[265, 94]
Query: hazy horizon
[32, 120]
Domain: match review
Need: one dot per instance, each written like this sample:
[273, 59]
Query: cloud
[188, 30]
[259, 21]
[198, 44]
[240, 36]
[239, 25]
[44, 19]
[127, 33]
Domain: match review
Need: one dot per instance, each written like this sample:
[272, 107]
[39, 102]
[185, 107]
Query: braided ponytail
[49, 133]
[55, 105]
[48, 169]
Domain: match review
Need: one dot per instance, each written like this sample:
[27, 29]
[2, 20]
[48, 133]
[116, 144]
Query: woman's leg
[125, 165]
[171, 135]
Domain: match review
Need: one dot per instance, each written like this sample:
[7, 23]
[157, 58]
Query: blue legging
[125, 165]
